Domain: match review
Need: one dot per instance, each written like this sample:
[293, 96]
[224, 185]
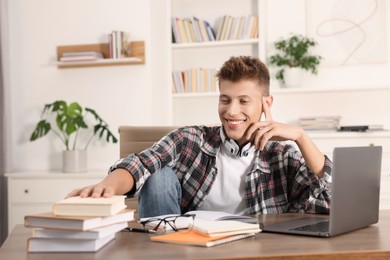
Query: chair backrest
[133, 139]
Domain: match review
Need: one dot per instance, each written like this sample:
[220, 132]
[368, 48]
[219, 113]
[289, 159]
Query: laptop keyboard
[317, 227]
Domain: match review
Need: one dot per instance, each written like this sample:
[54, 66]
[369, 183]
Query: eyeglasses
[171, 222]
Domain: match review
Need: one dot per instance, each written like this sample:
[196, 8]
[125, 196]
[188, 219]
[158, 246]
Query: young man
[240, 167]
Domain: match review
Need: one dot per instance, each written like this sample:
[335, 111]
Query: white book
[175, 30]
[217, 215]
[202, 215]
[95, 233]
[82, 53]
[223, 228]
[67, 245]
[77, 206]
[49, 220]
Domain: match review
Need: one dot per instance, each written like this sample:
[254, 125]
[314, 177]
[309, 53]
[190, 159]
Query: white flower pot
[293, 77]
[74, 161]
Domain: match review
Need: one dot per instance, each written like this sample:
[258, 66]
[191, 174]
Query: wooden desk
[368, 243]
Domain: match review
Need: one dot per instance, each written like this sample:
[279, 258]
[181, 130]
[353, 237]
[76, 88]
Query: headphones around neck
[233, 147]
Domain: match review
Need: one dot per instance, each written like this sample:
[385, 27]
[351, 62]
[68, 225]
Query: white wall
[285, 17]
[135, 94]
[120, 94]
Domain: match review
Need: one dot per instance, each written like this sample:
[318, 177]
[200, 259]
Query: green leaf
[41, 129]
[70, 119]
[294, 52]
[101, 129]
[93, 112]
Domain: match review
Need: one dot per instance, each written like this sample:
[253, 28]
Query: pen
[141, 230]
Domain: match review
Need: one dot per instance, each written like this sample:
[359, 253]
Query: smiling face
[243, 81]
[240, 105]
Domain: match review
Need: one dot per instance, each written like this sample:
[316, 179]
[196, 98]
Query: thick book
[67, 245]
[195, 239]
[49, 220]
[95, 233]
[223, 228]
[77, 206]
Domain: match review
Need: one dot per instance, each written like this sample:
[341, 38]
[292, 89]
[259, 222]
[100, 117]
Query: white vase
[74, 161]
[293, 77]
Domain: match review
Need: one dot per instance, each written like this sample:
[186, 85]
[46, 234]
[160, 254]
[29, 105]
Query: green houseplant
[294, 52]
[70, 119]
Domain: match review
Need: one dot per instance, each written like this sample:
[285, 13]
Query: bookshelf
[208, 54]
[136, 56]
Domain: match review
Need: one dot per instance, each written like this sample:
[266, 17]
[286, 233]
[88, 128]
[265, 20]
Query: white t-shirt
[228, 191]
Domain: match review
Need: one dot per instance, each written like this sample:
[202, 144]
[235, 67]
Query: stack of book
[209, 228]
[235, 28]
[191, 30]
[118, 44]
[78, 56]
[197, 80]
[78, 224]
[209, 233]
[320, 122]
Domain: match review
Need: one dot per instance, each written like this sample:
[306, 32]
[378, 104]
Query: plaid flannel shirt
[279, 182]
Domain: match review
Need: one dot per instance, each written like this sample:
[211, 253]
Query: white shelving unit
[211, 55]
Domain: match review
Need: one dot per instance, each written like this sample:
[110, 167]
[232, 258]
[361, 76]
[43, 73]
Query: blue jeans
[160, 195]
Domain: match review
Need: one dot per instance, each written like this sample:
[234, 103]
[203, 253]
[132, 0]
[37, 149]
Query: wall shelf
[136, 55]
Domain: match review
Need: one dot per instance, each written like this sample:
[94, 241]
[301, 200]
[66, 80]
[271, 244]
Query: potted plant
[70, 120]
[293, 55]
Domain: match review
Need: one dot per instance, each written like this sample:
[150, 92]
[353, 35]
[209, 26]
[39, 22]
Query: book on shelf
[38, 244]
[118, 44]
[81, 56]
[190, 237]
[204, 36]
[186, 30]
[320, 122]
[210, 31]
[77, 206]
[195, 80]
[223, 228]
[95, 233]
[236, 28]
[49, 220]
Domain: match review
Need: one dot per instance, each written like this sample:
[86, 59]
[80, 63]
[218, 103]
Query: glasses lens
[172, 222]
[183, 221]
[154, 223]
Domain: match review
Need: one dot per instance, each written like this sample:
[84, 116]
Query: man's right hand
[118, 182]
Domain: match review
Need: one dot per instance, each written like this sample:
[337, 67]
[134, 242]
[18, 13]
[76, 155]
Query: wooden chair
[133, 139]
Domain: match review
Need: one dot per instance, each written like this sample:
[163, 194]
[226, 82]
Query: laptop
[355, 196]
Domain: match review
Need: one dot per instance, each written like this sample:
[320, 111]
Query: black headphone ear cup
[232, 147]
[245, 150]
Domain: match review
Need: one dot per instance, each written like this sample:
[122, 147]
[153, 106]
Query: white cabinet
[327, 141]
[30, 193]
[208, 55]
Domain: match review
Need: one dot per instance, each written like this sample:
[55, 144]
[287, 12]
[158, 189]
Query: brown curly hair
[245, 68]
